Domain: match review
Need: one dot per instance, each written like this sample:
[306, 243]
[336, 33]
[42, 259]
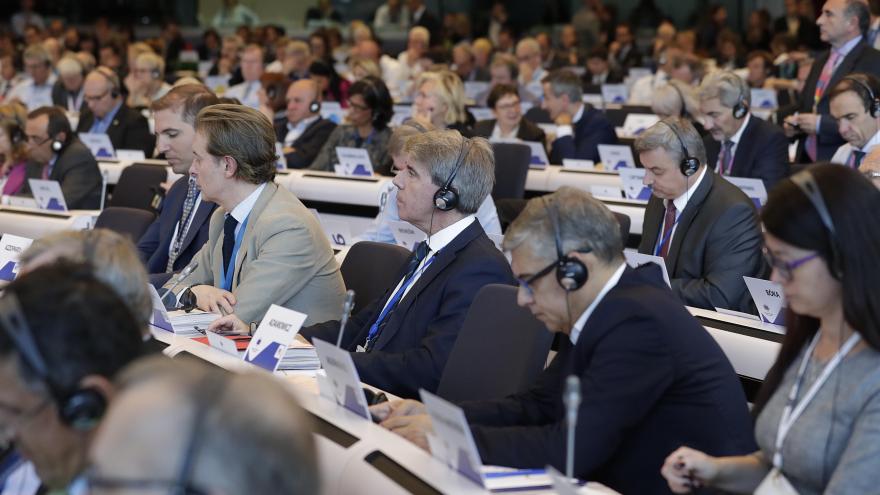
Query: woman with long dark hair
[818, 412]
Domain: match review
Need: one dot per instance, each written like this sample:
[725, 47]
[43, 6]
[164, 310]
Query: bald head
[101, 91]
[300, 96]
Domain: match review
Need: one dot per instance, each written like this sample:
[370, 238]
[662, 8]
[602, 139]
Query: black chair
[131, 222]
[500, 349]
[538, 115]
[511, 169]
[370, 268]
[138, 185]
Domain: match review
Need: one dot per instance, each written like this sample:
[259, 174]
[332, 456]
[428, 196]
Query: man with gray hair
[232, 433]
[67, 92]
[35, 91]
[531, 72]
[649, 372]
[580, 128]
[401, 341]
[705, 228]
[740, 145]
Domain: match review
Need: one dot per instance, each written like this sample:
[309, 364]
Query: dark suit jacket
[592, 130]
[128, 131]
[153, 245]
[807, 33]
[527, 130]
[59, 97]
[652, 379]
[717, 241]
[308, 144]
[615, 76]
[411, 351]
[762, 152]
[77, 172]
[632, 58]
[862, 58]
[430, 22]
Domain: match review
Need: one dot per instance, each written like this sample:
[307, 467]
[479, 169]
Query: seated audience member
[643, 89]
[411, 62]
[67, 92]
[504, 70]
[369, 111]
[55, 153]
[9, 75]
[741, 144]
[147, 80]
[408, 333]
[853, 105]
[465, 64]
[623, 50]
[531, 73]
[362, 67]
[703, 226]
[57, 366]
[570, 52]
[380, 229]
[264, 247]
[304, 131]
[439, 99]
[599, 71]
[509, 122]
[820, 244]
[13, 147]
[294, 60]
[580, 128]
[112, 259]
[272, 97]
[332, 87]
[108, 114]
[676, 99]
[251, 69]
[389, 67]
[36, 90]
[392, 15]
[218, 416]
[181, 229]
[650, 374]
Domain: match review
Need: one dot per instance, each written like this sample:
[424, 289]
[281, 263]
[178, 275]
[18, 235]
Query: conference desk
[355, 455]
[34, 223]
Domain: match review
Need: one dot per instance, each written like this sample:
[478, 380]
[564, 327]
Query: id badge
[775, 483]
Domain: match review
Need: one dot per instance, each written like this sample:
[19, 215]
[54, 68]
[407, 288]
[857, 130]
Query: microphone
[180, 276]
[346, 312]
[572, 400]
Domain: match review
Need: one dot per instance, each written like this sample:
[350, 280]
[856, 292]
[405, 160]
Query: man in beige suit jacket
[264, 247]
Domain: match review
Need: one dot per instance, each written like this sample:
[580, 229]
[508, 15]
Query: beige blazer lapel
[247, 239]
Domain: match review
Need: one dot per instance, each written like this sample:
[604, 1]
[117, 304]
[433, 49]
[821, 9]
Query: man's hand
[214, 300]
[229, 324]
[564, 118]
[397, 408]
[807, 122]
[413, 428]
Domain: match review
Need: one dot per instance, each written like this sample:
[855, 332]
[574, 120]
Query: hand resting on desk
[407, 418]
[214, 300]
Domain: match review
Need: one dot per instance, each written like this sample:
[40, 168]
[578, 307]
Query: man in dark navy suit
[580, 128]
[407, 334]
[181, 229]
[649, 373]
[740, 144]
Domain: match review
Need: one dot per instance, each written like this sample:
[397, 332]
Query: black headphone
[805, 181]
[315, 106]
[872, 102]
[112, 78]
[446, 198]
[683, 112]
[208, 392]
[82, 408]
[742, 106]
[689, 164]
[154, 72]
[571, 273]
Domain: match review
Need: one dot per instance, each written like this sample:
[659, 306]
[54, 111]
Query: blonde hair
[369, 66]
[449, 89]
[153, 62]
[13, 115]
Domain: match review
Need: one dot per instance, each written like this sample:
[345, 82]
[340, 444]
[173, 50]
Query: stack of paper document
[192, 324]
[300, 356]
[503, 479]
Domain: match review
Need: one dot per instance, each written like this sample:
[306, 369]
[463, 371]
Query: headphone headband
[874, 103]
[689, 164]
[208, 392]
[805, 181]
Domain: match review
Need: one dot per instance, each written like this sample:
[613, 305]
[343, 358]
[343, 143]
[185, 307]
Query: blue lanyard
[666, 237]
[227, 275]
[374, 329]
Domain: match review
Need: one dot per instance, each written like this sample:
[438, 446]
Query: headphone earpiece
[446, 198]
[155, 74]
[571, 273]
[57, 145]
[740, 109]
[83, 409]
[805, 181]
[872, 102]
[689, 164]
[315, 106]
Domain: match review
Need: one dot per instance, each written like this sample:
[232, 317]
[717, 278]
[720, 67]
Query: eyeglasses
[357, 106]
[38, 140]
[96, 484]
[96, 97]
[507, 106]
[20, 419]
[526, 284]
[785, 268]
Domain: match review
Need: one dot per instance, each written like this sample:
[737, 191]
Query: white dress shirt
[32, 95]
[579, 324]
[842, 155]
[246, 92]
[295, 131]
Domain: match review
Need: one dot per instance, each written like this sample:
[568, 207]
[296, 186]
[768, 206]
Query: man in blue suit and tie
[649, 372]
[181, 229]
[580, 128]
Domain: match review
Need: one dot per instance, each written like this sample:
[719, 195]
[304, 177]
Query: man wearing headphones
[54, 153]
[401, 341]
[740, 144]
[649, 372]
[57, 366]
[305, 132]
[704, 227]
[147, 80]
[108, 114]
[855, 105]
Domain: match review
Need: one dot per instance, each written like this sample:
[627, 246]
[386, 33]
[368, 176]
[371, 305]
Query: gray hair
[439, 151]
[406, 130]
[583, 222]
[253, 418]
[565, 82]
[728, 87]
[674, 98]
[662, 135]
[859, 9]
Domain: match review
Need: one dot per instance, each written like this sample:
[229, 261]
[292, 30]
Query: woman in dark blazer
[509, 122]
